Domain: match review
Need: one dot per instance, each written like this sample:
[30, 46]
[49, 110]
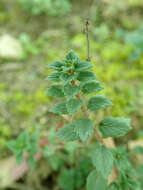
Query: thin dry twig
[87, 38]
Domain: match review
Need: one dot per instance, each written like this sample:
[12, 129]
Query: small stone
[10, 48]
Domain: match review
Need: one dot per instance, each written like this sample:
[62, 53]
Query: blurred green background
[34, 33]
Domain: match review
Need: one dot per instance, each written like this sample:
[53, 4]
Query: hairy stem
[98, 136]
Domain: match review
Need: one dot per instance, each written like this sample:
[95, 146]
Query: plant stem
[87, 38]
[98, 137]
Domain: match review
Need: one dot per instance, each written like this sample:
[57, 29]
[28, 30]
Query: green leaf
[33, 138]
[73, 105]
[114, 127]
[47, 151]
[12, 145]
[66, 78]
[67, 133]
[138, 149]
[31, 162]
[84, 128]
[102, 159]
[67, 68]
[113, 186]
[59, 108]
[56, 65]
[55, 91]
[55, 76]
[32, 148]
[70, 90]
[97, 102]
[67, 179]
[22, 137]
[21, 140]
[86, 76]
[95, 181]
[91, 86]
[70, 147]
[55, 161]
[19, 157]
[71, 55]
[81, 66]
[121, 160]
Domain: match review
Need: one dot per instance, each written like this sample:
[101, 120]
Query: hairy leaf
[97, 102]
[73, 105]
[86, 76]
[138, 149]
[71, 55]
[121, 161]
[81, 66]
[114, 127]
[64, 177]
[95, 181]
[91, 86]
[59, 108]
[113, 186]
[67, 68]
[70, 90]
[55, 91]
[102, 159]
[66, 78]
[84, 128]
[11, 145]
[56, 65]
[67, 132]
[55, 76]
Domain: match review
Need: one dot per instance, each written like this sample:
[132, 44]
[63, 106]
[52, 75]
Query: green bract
[57, 65]
[54, 77]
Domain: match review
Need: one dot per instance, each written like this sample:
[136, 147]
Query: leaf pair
[60, 91]
[67, 107]
[69, 90]
[81, 128]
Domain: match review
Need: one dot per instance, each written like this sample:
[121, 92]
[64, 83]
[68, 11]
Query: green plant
[28, 46]
[49, 7]
[74, 82]
[25, 143]
[135, 39]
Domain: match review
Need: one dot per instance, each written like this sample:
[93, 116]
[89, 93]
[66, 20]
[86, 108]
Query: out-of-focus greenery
[49, 7]
[46, 32]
